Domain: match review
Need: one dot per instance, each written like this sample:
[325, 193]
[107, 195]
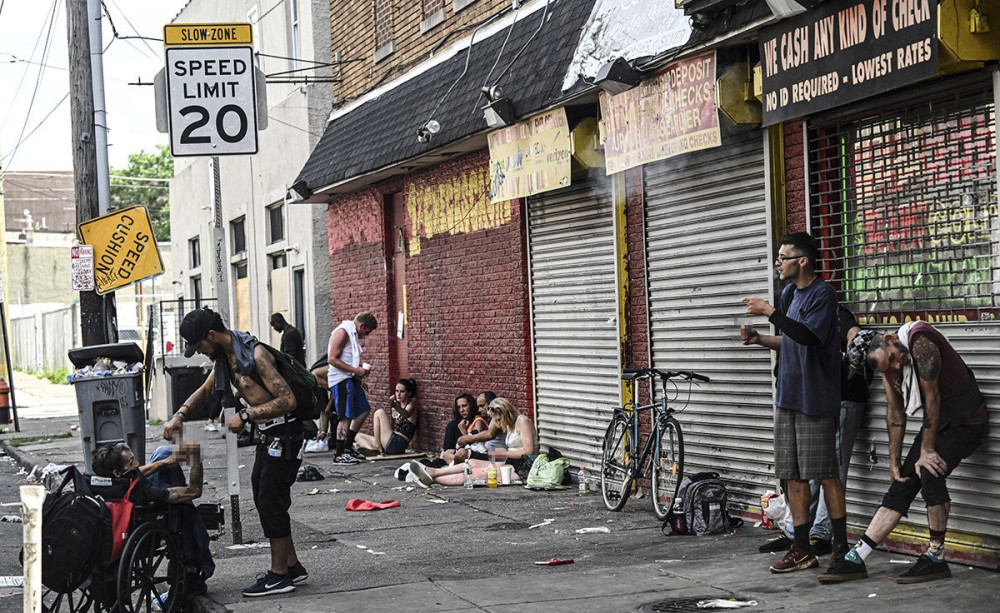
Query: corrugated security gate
[707, 247]
[574, 319]
[904, 196]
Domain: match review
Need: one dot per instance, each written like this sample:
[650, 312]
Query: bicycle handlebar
[629, 374]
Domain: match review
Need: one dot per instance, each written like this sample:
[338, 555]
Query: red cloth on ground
[357, 504]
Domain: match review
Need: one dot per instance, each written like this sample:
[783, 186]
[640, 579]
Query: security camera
[423, 134]
[493, 93]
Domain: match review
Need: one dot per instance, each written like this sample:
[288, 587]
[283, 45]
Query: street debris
[11, 581]
[872, 595]
[545, 522]
[554, 562]
[358, 504]
[899, 561]
[722, 603]
[600, 529]
[313, 491]
[105, 367]
[11, 519]
[666, 561]
[249, 546]
[438, 500]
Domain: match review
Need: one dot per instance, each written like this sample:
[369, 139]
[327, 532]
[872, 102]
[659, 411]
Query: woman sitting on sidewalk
[467, 420]
[392, 437]
[520, 453]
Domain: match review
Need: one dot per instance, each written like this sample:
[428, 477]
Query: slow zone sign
[844, 51]
[211, 89]
[124, 246]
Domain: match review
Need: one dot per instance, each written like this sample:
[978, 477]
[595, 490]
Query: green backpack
[546, 473]
[310, 398]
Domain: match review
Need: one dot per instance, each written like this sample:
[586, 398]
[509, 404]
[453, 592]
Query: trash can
[111, 406]
[184, 380]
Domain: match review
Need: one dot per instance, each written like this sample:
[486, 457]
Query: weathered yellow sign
[530, 157]
[207, 34]
[125, 249]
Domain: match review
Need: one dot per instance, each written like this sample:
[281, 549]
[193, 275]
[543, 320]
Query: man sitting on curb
[921, 373]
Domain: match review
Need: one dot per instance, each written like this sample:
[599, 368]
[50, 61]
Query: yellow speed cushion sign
[125, 249]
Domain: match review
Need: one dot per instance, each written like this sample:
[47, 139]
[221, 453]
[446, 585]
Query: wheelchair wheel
[77, 601]
[150, 572]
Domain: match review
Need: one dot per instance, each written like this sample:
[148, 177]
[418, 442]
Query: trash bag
[308, 472]
[546, 473]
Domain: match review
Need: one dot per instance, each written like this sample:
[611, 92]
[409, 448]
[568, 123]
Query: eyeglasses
[781, 259]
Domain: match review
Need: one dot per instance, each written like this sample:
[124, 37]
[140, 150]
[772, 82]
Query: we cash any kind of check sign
[843, 30]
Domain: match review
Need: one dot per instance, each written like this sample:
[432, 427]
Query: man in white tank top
[344, 379]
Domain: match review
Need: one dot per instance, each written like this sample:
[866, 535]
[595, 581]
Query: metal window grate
[904, 204]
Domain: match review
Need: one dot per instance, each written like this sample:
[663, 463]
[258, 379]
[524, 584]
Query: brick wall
[467, 316]
[353, 36]
[638, 348]
[795, 177]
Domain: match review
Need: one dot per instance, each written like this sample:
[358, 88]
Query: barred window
[904, 204]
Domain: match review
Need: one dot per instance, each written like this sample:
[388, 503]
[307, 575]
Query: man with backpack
[260, 374]
[807, 402]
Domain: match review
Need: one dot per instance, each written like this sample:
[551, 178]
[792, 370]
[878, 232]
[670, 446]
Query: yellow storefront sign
[207, 34]
[125, 249]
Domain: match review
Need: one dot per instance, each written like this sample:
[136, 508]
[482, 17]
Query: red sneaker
[794, 560]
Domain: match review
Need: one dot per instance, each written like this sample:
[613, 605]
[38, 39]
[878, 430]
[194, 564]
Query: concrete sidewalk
[450, 549]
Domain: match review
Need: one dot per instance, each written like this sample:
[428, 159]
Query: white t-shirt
[351, 354]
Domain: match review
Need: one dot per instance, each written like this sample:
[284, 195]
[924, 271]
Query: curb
[26, 461]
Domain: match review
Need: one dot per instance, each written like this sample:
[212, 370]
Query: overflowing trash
[105, 367]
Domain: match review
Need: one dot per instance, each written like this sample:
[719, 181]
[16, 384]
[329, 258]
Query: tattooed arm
[197, 479]
[927, 359]
[282, 399]
[895, 424]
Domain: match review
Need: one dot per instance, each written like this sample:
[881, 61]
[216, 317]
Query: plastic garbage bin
[184, 380]
[112, 406]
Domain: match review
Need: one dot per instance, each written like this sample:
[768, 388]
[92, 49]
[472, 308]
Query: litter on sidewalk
[554, 562]
[12, 581]
[722, 603]
[357, 504]
[11, 519]
[600, 529]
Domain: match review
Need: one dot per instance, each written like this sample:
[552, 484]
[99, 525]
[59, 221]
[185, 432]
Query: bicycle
[621, 461]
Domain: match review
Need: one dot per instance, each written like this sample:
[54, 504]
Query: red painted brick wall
[638, 349]
[795, 177]
[467, 300]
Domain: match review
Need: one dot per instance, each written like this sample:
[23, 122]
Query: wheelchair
[149, 576]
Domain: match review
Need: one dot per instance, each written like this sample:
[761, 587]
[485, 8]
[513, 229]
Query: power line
[139, 178]
[35, 129]
[21, 82]
[38, 80]
[114, 31]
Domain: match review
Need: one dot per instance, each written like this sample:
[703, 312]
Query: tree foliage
[127, 188]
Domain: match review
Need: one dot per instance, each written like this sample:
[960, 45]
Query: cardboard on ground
[125, 249]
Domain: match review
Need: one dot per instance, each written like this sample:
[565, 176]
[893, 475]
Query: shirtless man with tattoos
[268, 401]
[922, 375]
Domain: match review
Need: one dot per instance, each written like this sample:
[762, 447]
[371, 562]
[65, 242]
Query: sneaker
[357, 455]
[820, 547]
[780, 543]
[298, 574]
[417, 469]
[269, 583]
[837, 556]
[345, 460]
[844, 570]
[925, 569]
[794, 560]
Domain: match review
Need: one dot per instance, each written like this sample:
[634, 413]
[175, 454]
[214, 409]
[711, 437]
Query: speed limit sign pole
[211, 98]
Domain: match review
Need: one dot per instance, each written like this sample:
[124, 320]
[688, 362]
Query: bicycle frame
[660, 411]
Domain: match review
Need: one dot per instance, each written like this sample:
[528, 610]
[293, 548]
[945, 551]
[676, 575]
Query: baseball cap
[195, 328]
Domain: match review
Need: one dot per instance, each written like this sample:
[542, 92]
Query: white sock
[859, 552]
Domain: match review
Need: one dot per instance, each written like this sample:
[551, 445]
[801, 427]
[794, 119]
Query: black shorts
[396, 445]
[272, 480]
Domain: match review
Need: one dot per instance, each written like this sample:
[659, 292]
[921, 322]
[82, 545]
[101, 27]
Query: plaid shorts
[805, 446]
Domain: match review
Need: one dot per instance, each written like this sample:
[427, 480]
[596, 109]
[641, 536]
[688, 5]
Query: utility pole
[96, 312]
[100, 109]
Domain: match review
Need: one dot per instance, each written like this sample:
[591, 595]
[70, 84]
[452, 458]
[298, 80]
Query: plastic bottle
[584, 479]
[468, 477]
[491, 474]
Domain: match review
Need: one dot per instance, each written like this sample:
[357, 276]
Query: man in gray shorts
[807, 403]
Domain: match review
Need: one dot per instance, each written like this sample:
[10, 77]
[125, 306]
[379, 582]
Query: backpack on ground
[702, 500]
[76, 535]
[310, 398]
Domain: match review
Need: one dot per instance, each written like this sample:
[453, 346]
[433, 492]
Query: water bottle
[468, 477]
[491, 474]
[584, 480]
[679, 522]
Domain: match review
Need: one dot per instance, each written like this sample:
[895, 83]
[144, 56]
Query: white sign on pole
[81, 268]
[211, 101]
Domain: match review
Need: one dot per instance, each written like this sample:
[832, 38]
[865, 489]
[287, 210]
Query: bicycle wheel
[617, 463]
[668, 467]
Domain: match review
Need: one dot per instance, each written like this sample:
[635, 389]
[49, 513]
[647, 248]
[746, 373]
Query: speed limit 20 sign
[211, 89]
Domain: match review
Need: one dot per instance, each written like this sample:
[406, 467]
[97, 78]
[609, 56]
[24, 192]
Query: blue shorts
[349, 399]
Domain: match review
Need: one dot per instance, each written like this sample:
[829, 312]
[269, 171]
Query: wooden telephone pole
[97, 313]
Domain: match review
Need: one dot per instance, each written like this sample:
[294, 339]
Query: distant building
[40, 200]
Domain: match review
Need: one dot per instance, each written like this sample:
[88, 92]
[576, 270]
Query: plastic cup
[506, 473]
[366, 366]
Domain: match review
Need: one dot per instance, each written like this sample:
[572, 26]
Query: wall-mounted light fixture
[301, 190]
[617, 76]
[499, 110]
[426, 131]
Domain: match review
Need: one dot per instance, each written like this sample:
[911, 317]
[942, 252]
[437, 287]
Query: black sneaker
[269, 583]
[837, 556]
[298, 574]
[345, 460]
[844, 570]
[820, 547]
[779, 543]
[925, 569]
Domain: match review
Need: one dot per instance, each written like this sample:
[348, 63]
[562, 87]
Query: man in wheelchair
[161, 481]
